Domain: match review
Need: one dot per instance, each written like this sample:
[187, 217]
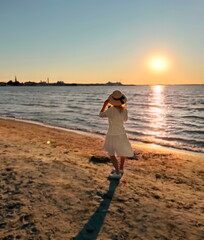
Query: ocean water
[165, 115]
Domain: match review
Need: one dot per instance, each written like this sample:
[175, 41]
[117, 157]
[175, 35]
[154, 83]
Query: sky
[96, 41]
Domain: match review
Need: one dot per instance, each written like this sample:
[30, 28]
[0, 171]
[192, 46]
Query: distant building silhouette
[16, 83]
[60, 83]
[114, 84]
[30, 83]
[2, 84]
[42, 83]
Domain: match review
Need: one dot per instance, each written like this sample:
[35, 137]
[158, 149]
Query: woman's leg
[122, 162]
[115, 163]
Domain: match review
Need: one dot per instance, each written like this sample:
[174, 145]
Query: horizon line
[105, 84]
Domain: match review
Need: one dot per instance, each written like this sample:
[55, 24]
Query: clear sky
[95, 41]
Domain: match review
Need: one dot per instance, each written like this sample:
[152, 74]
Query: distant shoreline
[16, 83]
[2, 84]
[59, 83]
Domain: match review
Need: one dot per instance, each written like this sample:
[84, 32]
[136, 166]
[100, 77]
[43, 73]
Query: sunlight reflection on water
[157, 110]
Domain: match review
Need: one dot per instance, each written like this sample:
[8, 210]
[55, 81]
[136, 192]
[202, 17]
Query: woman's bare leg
[115, 163]
[122, 162]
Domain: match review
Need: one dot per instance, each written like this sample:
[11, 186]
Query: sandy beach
[53, 185]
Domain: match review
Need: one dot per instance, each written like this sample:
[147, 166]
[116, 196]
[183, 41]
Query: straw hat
[117, 98]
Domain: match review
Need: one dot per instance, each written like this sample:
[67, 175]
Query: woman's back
[116, 117]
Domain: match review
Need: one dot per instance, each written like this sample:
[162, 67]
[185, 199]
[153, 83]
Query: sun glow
[158, 64]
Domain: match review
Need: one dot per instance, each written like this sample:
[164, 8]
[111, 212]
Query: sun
[158, 64]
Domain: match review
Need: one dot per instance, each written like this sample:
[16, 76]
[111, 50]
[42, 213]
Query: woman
[116, 142]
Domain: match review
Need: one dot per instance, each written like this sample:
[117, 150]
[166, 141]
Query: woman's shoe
[115, 176]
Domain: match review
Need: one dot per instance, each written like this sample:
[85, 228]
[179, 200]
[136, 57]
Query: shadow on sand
[92, 228]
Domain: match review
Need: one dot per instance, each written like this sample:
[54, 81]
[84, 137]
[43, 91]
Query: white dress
[116, 142]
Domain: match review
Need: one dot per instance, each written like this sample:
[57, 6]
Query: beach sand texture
[53, 185]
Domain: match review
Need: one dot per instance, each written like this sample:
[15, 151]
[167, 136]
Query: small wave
[193, 131]
[190, 108]
[59, 119]
[179, 107]
[198, 109]
[135, 133]
[39, 105]
[80, 119]
[195, 117]
[188, 141]
[139, 94]
[149, 105]
[191, 125]
[74, 107]
[68, 111]
[138, 120]
[168, 144]
[8, 115]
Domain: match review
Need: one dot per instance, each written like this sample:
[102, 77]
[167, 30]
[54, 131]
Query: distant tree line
[59, 83]
[14, 83]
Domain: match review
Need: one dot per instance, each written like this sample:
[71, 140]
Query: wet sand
[53, 185]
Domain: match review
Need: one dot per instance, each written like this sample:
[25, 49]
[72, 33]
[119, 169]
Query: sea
[166, 115]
